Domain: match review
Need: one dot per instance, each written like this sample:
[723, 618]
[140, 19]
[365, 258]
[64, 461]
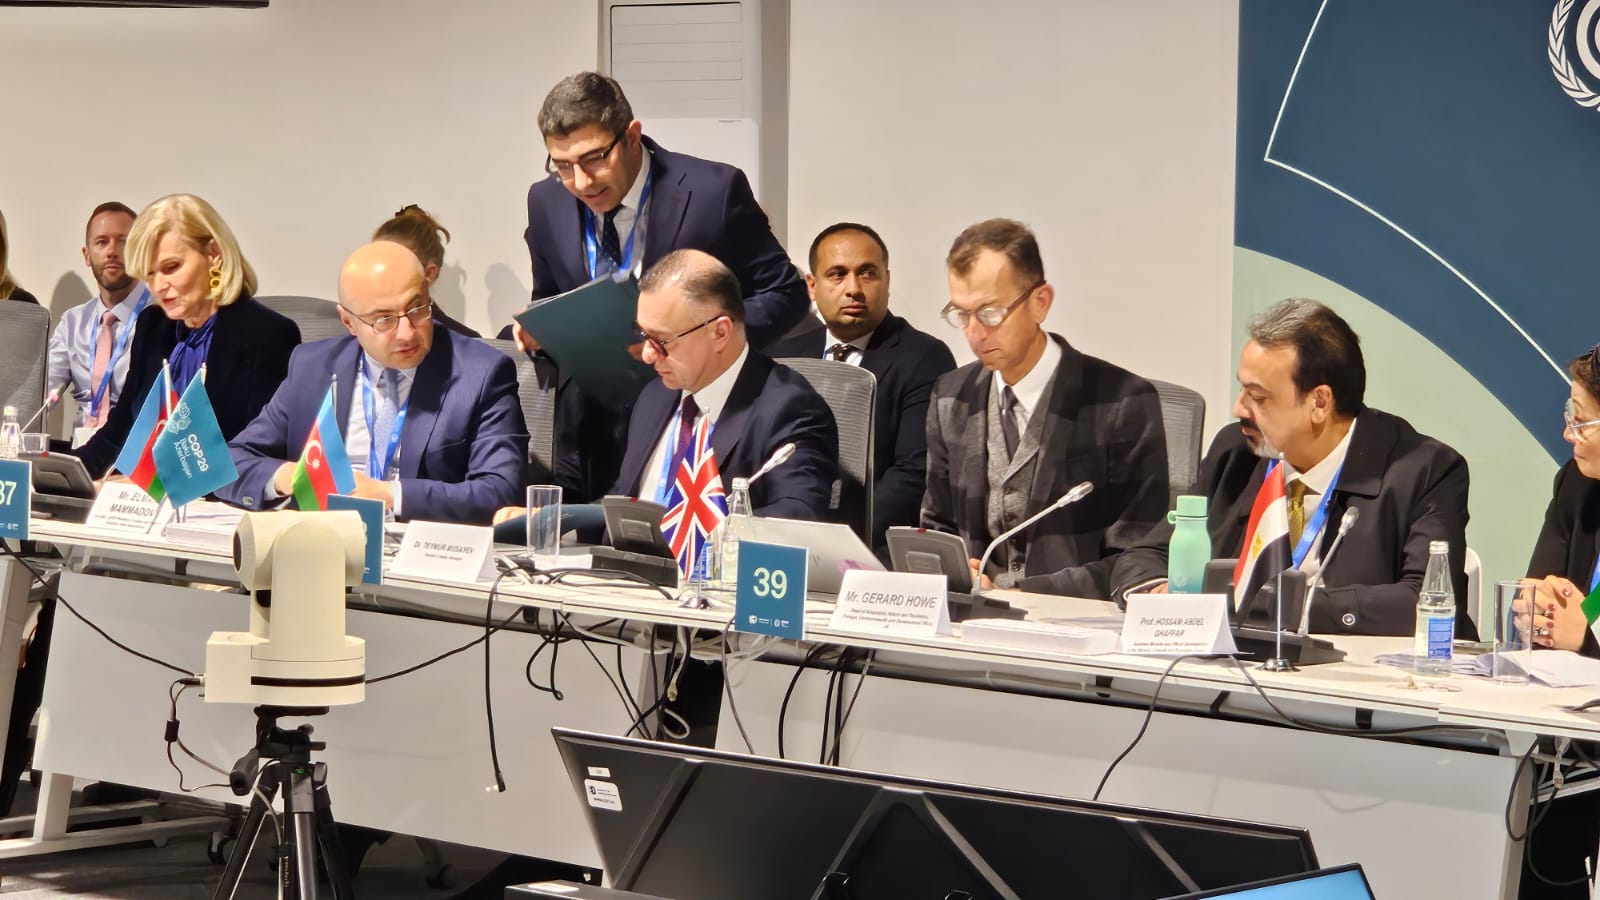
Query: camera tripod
[308, 826]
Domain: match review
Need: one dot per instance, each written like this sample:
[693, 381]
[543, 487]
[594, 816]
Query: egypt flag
[324, 466]
[696, 504]
[137, 459]
[1266, 538]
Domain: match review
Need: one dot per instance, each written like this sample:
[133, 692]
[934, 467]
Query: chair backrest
[317, 318]
[1183, 413]
[850, 392]
[24, 344]
[536, 387]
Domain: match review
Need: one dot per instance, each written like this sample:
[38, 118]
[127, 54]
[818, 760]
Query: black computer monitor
[689, 822]
[1339, 883]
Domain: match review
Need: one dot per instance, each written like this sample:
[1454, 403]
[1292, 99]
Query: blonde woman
[201, 312]
[8, 285]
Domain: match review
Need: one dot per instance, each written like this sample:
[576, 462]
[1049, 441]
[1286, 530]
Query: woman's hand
[1558, 619]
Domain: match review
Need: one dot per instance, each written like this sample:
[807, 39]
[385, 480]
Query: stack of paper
[1554, 668]
[205, 524]
[1040, 634]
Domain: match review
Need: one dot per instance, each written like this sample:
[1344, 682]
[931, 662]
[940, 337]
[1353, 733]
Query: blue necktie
[383, 417]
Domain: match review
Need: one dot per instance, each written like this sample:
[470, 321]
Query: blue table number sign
[16, 498]
[771, 593]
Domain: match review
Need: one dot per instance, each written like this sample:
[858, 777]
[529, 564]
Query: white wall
[306, 124]
[1108, 126]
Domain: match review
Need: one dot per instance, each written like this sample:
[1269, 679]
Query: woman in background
[203, 313]
[8, 285]
[417, 231]
[1566, 558]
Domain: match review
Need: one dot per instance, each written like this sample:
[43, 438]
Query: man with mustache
[1033, 416]
[1302, 379]
[89, 348]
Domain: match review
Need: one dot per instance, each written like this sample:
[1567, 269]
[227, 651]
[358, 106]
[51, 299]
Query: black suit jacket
[906, 363]
[769, 406]
[249, 357]
[1104, 426]
[1411, 490]
[1569, 542]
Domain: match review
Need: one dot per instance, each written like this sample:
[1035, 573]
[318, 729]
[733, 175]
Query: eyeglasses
[385, 324]
[659, 345]
[1570, 417]
[990, 316]
[592, 163]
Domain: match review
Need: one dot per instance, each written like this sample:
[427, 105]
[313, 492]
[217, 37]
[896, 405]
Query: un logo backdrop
[1431, 169]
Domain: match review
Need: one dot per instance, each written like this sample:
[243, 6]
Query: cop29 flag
[191, 455]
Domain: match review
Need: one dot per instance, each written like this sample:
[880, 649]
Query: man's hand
[373, 489]
[1158, 589]
[979, 580]
[507, 513]
[283, 480]
[524, 340]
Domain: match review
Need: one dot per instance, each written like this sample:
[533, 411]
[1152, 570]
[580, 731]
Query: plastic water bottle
[731, 531]
[10, 435]
[1436, 614]
[1190, 547]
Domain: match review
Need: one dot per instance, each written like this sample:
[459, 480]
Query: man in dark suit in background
[1302, 380]
[1012, 432]
[691, 322]
[616, 200]
[431, 419]
[849, 283]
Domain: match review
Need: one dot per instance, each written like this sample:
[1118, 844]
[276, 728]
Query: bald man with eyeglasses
[1013, 431]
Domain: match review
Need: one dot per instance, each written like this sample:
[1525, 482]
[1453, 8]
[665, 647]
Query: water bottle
[10, 435]
[730, 532]
[1436, 614]
[1190, 547]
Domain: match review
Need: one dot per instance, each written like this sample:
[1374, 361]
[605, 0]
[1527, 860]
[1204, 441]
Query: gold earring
[216, 281]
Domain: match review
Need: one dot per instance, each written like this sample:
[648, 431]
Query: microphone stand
[1277, 662]
[1078, 492]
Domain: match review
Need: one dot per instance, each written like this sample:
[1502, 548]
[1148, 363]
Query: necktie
[102, 361]
[1008, 419]
[686, 417]
[610, 244]
[383, 419]
[1297, 510]
[840, 352]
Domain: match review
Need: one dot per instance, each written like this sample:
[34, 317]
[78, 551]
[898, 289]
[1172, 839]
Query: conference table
[1426, 813]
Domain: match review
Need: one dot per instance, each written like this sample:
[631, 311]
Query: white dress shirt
[711, 400]
[627, 213]
[858, 347]
[1030, 388]
[1318, 481]
[72, 345]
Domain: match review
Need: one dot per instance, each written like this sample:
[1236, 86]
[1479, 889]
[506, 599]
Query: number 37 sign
[771, 593]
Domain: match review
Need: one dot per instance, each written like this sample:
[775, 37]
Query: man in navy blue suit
[614, 200]
[431, 419]
[691, 321]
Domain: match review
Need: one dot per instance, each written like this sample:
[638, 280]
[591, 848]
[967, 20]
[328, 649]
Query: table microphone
[1078, 492]
[50, 400]
[1345, 524]
[778, 458]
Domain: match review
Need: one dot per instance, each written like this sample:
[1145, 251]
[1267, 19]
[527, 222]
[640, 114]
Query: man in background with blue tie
[431, 420]
[89, 347]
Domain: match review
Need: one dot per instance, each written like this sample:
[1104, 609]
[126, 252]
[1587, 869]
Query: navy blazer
[1411, 489]
[1569, 542]
[694, 203]
[249, 356]
[906, 363]
[463, 446]
[769, 406]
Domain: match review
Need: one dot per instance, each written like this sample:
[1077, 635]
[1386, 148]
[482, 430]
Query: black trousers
[24, 703]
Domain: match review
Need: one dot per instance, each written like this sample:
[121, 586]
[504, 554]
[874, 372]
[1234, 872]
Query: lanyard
[1318, 518]
[591, 243]
[373, 469]
[1594, 579]
[117, 349]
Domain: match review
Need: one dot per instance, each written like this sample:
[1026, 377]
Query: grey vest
[1010, 481]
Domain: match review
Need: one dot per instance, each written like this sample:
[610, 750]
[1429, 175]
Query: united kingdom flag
[696, 504]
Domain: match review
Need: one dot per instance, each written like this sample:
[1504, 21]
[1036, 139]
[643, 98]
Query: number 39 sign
[771, 594]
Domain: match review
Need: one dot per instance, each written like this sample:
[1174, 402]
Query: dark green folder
[588, 332]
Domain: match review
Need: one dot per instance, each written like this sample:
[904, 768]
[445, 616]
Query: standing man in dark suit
[1302, 380]
[1013, 431]
[430, 419]
[691, 323]
[849, 283]
[616, 200]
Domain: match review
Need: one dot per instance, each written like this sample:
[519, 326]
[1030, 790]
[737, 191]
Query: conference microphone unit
[1345, 524]
[50, 400]
[778, 458]
[1076, 493]
[1297, 647]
